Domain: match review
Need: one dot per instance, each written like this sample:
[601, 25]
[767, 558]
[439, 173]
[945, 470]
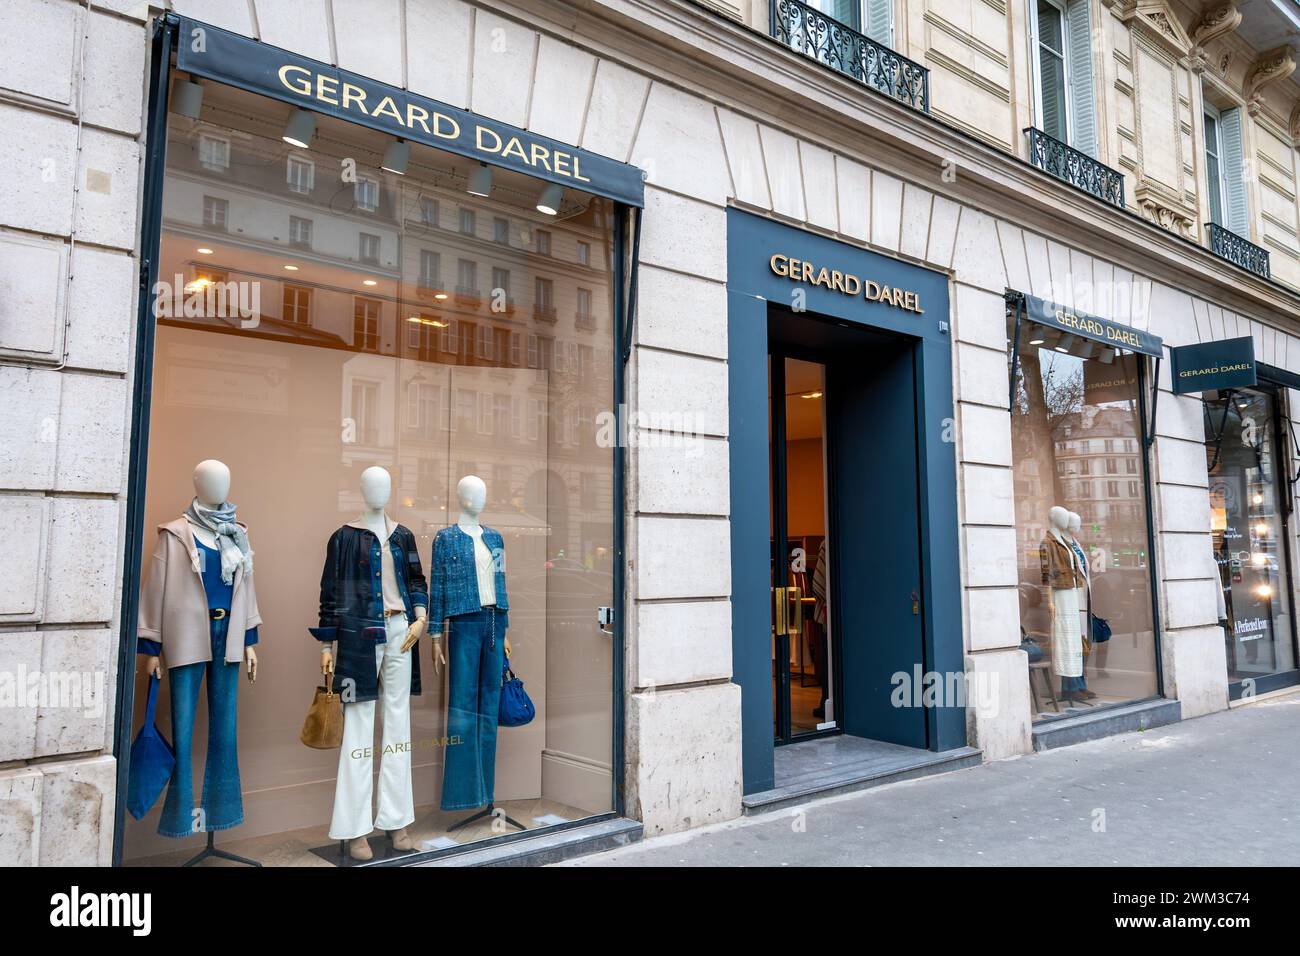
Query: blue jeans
[223, 806]
[476, 648]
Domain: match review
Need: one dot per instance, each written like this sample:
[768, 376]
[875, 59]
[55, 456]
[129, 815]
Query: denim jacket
[352, 602]
[453, 575]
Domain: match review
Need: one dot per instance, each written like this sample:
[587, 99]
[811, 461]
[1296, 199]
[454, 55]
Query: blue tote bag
[516, 707]
[152, 760]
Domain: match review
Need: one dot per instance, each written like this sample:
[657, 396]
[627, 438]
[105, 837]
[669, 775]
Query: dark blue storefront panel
[896, 479]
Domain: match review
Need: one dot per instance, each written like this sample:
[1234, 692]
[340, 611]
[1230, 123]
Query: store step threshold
[549, 847]
[843, 764]
[1064, 731]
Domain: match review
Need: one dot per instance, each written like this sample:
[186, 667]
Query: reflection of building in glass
[421, 281]
[1100, 474]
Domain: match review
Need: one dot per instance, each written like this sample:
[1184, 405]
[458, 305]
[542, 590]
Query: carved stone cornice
[1163, 207]
[1293, 125]
[1271, 66]
[1217, 20]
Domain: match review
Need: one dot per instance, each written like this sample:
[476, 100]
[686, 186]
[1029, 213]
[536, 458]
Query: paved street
[1218, 790]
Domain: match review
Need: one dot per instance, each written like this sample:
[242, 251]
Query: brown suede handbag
[323, 728]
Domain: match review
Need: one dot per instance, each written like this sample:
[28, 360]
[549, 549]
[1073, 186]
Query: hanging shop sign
[1092, 327]
[1229, 363]
[806, 272]
[225, 57]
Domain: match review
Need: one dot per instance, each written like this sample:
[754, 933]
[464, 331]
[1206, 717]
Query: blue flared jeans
[222, 806]
[476, 647]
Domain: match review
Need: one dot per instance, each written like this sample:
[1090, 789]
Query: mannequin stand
[211, 850]
[487, 811]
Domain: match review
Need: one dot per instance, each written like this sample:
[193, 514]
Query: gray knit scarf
[232, 540]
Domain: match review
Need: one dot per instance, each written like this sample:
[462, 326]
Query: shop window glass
[1075, 404]
[1247, 484]
[361, 369]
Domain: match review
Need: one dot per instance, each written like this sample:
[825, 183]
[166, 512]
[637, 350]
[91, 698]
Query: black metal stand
[211, 850]
[489, 810]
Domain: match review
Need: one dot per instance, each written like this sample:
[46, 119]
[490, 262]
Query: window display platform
[841, 764]
[550, 846]
[1095, 724]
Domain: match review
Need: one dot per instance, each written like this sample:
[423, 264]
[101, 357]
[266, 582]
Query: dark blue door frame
[752, 286]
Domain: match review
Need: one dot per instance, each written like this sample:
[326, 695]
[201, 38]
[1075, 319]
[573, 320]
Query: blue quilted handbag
[516, 706]
[152, 760]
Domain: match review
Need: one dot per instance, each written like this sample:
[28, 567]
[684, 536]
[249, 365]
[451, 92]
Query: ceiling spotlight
[1038, 341]
[369, 282]
[1107, 356]
[549, 201]
[480, 181]
[204, 251]
[1066, 341]
[292, 268]
[396, 157]
[300, 129]
[440, 295]
[1085, 350]
[187, 98]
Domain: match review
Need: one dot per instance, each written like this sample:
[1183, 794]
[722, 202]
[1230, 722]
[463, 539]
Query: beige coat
[174, 606]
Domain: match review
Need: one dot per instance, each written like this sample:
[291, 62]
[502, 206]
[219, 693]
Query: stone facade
[716, 117]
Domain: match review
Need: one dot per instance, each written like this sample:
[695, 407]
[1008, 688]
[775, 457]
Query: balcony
[545, 313]
[1228, 245]
[468, 295]
[829, 42]
[1078, 169]
[585, 320]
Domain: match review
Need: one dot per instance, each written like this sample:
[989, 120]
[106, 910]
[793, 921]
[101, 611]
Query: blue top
[453, 574]
[219, 593]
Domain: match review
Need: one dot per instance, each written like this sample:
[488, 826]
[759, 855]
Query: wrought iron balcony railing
[811, 32]
[1228, 245]
[1076, 168]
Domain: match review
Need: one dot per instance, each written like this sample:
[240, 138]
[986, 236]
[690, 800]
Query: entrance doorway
[846, 583]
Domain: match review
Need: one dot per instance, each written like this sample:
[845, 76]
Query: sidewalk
[1218, 790]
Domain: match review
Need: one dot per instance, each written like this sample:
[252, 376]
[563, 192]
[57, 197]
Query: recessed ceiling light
[811, 395]
[292, 268]
[369, 282]
[440, 295]
[204, 251]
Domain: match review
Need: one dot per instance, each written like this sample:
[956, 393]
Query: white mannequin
[471, 491]
[211, 488]
[1059, 520]
[376, 489]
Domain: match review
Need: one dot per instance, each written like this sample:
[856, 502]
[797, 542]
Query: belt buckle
[218, 614]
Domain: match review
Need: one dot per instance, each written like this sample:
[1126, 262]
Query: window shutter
[880, 21]
[1234, 183]
[1082, 97]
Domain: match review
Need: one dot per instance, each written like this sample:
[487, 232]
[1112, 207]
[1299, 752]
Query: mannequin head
[1059, 518]
[376, 487]
[472, 494]
[211, 483]
[1076, 523]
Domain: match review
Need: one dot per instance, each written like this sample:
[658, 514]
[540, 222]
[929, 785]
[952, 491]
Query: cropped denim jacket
[352, 602]
[453, 575]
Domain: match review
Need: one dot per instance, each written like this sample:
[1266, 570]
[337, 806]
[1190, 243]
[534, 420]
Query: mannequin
[373, 598]
[1063, 578]
[199, 610]
[467, 590]
[1085, 596]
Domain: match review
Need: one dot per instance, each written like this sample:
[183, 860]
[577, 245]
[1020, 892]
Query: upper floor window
[429, 210]
[875, 18]
[543, 239]
[299, 231]
[366, 192]
[214, 152]
[368, 247]
[365, 324]
[300, 174]
[1061, 40]
[297, 304]
[501, 231]
[467, 221]
[1224, 177]
[216, 212]
[584, 253]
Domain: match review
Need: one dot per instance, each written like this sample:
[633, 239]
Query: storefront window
[1249, 532]
[309, 342]
[1083, 560]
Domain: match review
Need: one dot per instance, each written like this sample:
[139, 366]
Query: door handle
[796, 599]
[780, 611]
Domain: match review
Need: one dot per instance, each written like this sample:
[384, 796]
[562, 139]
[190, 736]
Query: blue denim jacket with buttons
[453, 574]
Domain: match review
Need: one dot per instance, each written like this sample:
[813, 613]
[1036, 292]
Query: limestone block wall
[71, 107]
